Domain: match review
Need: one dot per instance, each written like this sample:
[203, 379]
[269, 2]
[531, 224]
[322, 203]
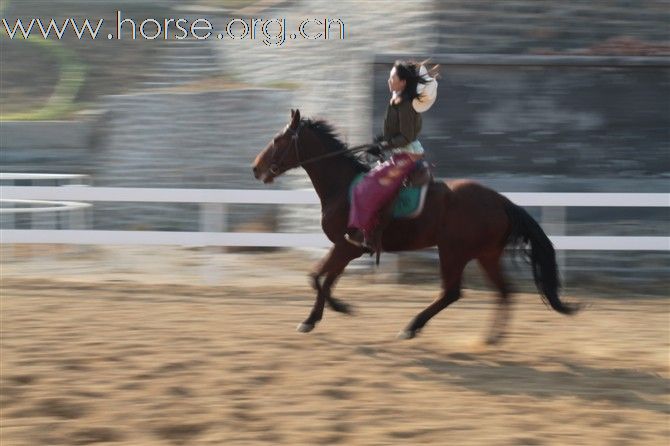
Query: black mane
[332, 142]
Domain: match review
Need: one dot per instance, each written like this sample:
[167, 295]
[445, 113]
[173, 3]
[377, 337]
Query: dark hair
[409, 72]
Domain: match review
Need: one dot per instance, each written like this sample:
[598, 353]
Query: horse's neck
[331, 178]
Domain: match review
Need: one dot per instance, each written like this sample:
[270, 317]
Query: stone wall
[575, 117]
[595, 27]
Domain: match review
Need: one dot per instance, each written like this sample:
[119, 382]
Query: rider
[413, 91]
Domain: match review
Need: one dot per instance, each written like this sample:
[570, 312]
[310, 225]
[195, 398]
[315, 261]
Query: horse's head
[281, 153]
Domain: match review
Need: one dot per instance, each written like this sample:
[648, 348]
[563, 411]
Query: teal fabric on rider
[414, 147]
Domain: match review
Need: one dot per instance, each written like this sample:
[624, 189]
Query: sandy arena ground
[115, 360]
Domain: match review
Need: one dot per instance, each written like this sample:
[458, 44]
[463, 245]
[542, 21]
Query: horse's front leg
[331, 266]
[317, 311]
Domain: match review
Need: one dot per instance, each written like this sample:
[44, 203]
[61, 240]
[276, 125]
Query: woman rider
[413, 91]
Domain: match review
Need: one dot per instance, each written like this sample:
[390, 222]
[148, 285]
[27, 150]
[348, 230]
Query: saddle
[420, 176]
[412, 195]
[408, 203]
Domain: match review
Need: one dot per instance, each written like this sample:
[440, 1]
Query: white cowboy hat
[427, 92]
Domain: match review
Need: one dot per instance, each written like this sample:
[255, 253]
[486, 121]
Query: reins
[339, 152]
[294, 141]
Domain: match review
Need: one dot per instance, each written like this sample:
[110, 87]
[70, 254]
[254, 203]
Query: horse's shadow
[483, 373]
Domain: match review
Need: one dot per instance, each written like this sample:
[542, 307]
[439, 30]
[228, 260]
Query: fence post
[554, 223]
[213, 218]
[9, 219]
[389, 267]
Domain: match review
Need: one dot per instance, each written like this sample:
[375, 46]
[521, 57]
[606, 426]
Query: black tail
[541, 256]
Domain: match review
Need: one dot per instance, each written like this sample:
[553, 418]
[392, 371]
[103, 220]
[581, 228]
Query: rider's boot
[385, 217]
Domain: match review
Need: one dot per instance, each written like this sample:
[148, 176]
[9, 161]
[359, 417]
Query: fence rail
[286, 240]
[304, 196]
[213, 204]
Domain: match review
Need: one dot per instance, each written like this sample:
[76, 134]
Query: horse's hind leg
[331, 266]
[452, 272]
[493, 270]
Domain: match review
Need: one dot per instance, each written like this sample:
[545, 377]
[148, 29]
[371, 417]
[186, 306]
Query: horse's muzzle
[265, 176]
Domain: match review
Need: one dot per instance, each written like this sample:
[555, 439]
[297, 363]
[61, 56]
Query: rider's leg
[384, 218]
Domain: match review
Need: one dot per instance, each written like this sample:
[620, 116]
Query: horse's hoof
[341, 307]
[406, 334]
[305, 328]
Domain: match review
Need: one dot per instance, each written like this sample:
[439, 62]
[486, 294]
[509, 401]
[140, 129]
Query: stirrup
[355, 242]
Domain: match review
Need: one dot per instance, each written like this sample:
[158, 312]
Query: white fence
[213, 207]
[47, 214]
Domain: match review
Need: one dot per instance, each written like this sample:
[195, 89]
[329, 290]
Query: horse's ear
[295, 118]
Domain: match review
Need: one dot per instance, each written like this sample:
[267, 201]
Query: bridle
[295, 134]
[294, 141]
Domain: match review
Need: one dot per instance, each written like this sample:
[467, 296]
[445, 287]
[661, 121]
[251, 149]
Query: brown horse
[464, 219]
